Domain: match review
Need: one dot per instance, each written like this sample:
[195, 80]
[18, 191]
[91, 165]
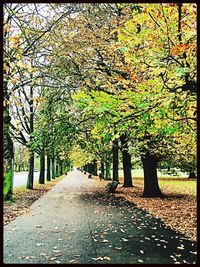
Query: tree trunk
[90, 168]
[127, 166]
[102, 169]
[151, 187]
[53, 168]
[30, 171]
[68, 167]
[115, 153]
[8, 151]
[61, 167]
[192, 174]
[30, 179]
[42, 169]
[95, 168]
[57, 168]
[48, 168]
[108, 173]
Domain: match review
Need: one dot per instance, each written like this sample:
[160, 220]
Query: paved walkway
[74, 223]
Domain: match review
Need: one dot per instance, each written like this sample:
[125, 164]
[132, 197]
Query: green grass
[23, 187]
[140, 173]
[180, 186]
[186, 187]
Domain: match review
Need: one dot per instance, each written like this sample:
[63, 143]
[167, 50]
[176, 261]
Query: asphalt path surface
[76, 223]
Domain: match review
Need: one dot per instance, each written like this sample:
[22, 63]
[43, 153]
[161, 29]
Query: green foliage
[80, 157]
[126, 69]
[7, 184]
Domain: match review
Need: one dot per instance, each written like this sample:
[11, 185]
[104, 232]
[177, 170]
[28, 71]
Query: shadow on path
[134, 234]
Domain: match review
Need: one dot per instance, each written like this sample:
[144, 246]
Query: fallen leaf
[193, 252]
[104, 241]
[96, 259]
[124, 239]
[39, 244]
[71, 261]
[180, 248]
[106, 258]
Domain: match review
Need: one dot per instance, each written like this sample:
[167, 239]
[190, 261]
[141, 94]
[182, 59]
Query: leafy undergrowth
[23, 198]
[177, 209]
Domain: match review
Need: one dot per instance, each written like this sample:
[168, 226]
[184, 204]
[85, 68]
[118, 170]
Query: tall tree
[126, 159]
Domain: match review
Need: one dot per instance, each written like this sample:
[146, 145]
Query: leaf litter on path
[102, 258]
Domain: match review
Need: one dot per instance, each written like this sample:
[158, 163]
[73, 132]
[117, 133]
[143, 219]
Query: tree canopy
[79, 77]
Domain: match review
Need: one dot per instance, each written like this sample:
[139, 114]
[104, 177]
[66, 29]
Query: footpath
[73, 224]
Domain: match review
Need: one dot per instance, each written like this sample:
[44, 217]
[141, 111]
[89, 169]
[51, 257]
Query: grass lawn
[171, 185]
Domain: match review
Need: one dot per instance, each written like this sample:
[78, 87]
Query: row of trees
[102, 77]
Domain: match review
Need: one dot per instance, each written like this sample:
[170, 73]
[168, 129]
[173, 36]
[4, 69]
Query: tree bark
[42, 169]
[102, 169]
[57, 168]
[127, 166]
[8, 150]
[90, 168]
[108, 173]
[192, 174]
[61, 167]
[48, 168]
[151, 187]
[95, 167]
[53, 168]
[30, 179]
[115, 152]
[30, 171]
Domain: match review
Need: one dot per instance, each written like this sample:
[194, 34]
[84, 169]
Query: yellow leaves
[6, 68]
[38, 100]
[6, 28]
[26, 66]
[6, 103]
[120, 78]
[179, 49]
[30, 68]
[21, 64]
[133, 77]
[15, 40]
[15, 80]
